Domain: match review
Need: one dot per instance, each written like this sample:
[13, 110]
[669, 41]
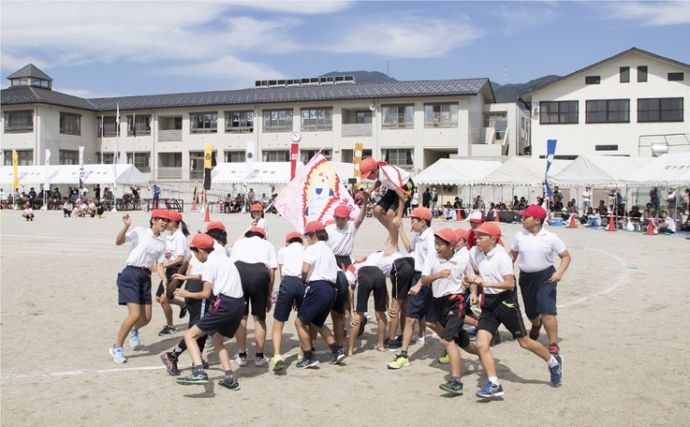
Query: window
[608, 111]
[606, 147]
[277, 120]
[235, 156]
[625, 74]
[70, 124]
[558, 112]
[140, 161]
[642, 73]
[347, 155]
[105, 158]
[138, 125]
[440, 115]
[275, 155]
[398, 116]
[402, 157]
[203, 122]
[69, 157]
[239, 121]
[107, 127]
[24, 157]
[306, 155]
[316, 119]
[592, 80]
[170, 123]
[196, 164]
[676, 77]
[659, 110]
[19, 121]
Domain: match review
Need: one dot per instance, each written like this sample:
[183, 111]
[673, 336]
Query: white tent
[99, 174]
[28, 175]
[252, 173]
[344, 170]
[667, 170]
[455, 172]
[600, 171]
[523, 171]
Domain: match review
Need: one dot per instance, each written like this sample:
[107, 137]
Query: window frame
[659, 110]
[135, 158]
[592, 80]
[394, 120]
[17, 129]
[68, 157]
[676, 76]
[544, 111]
[449, 122]
[143, 126]
[270, 127]
[69, 131]
[323, 123]
[212, 121]
[407, 153]
[642, 73]
[307, 153]
[607, 111]
[624, 73]
[275, 155]
[24, 157]
[245, 124]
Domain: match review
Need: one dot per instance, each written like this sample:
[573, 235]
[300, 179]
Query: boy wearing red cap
[492, 270]
[533, 247]
[256, 211]
[476, 218]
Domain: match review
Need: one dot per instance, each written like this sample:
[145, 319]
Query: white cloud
[652, 13]
[312, 7]
[226, 68]
[515, 20]
[85, 93]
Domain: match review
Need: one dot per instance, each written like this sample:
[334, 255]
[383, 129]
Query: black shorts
[134, 286]
[197, 307]
[450, 312]
[421, 306]
[317, 302]
[255, 285]
[224, 317]
[503, 309]
[291, 292]
[343, 261]
[370, 279]
[538, 294]
[390, 198]
[171, 292]
[401, 277]
[343, 297]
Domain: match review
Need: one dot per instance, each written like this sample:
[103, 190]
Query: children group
[447, 280]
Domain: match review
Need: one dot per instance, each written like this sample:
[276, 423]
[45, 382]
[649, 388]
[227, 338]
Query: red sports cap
[448, 235]
[341, 211]
[215, 225]
[366, 167]
[313, 227]
[257, 207]
[201, 241]
[162, 213]
[176, 216]
[490, 229]
[421, 213]
[292, 235]
[258, 230]
[461, 234]
[534, 211]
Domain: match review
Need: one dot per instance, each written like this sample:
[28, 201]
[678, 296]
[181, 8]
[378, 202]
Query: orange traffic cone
[571, 221]
[497, 216]
[651, 229]
[612, 223]
[207, 215]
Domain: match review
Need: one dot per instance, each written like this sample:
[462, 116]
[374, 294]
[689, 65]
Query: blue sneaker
[557, 371]
[134, 340]
[490, 390]
[194, 378]
[117, 354]
[337, 357]
[304, 363]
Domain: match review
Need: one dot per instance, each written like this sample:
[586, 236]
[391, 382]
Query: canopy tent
[523, 171]
[252, 173]
[455, 172]
[344, 170]
[667, 170]
[28, 175]
[600, 171]
[99, 174]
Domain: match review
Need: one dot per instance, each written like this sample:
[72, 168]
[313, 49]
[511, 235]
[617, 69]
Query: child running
[175, 252]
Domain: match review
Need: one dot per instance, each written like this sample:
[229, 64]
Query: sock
[243, 353]
[259, 355]
[552, 362]
[494, 380]
[334, 348]
[456, 379]
[308, 354]
[313, 349]
[198, 369]
[404, 354]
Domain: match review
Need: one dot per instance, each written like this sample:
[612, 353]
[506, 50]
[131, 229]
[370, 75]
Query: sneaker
[338, 357]
[557, 371]
[554, 349]
[399, 362]
[392, 345]
[304, 363]
[260, 361]
[453, 386]
[420, 340]
[170, 361]
[496, 339]
[443, 359]
[194, 378]
[205, 364]
[277, 363]
[233, 385]
[134, 340]
[117, 354]
[183, 311]
[241, 359]
[490, 390]
[167, 330]
[534, 332]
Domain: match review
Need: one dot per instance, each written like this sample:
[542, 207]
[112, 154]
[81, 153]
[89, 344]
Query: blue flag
[550, 152]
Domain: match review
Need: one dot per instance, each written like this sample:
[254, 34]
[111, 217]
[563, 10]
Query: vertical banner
[208, 164]
[81, 168]
[550, 153]
[249, 159]
[294, 153]
[46, 180]
[15, 171]
[358, 158]
[116, 155]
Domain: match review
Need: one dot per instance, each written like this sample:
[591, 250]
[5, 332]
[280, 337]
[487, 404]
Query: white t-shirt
[322, 261]
[290, 259]
[458, 264]
[146, 248]
[261, 222]
[392, 177]
[670, 224]
[197, 267]
[377, 259]
[423, 244]
[175, 245]
[223, 275]
[217, 247]
[253, 250]
[536, 251]
[586, 195]
[492, 266]
[341, 241]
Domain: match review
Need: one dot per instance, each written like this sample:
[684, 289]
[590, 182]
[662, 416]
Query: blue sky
[100, 48]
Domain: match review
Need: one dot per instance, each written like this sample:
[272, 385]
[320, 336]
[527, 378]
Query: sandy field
[623, 309]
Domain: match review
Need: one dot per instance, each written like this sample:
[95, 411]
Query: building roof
[328, 92]
[528, 95]
[30, 71]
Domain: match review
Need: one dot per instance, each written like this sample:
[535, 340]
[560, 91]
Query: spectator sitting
[602, 210]
[449, 213]
[67, 208]
[28, 213]
[667, 225]
[593, 218]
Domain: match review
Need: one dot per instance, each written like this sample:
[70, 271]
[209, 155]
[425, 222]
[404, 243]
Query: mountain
[363, 76]
[510, 92]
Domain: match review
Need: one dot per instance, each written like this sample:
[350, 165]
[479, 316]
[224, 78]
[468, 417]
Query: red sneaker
[554, 349]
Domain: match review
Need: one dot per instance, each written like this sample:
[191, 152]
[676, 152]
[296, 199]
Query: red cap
[201, 241]
[176, 216]
[534, 211]
[489, 228]
[477, 217]
[292, 235]
[366, 167]
[215, 225]
[257, 207]
[162, 213]
[461, 234]
[447, 235]
[341, 211]
[313, 227]
[421, 213]
[257, 230]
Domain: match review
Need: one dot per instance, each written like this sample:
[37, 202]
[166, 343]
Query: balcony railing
[357, 129]
[170, 135]
[169, 172]
[196, 174]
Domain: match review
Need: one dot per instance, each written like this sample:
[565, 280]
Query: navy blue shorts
[343, 261]
[370, 279]
[317, 303]
[343, 296]
[503, 309]
[538, 294]
[134, 286]
[291, 292]
[421, 306]
[224, 317]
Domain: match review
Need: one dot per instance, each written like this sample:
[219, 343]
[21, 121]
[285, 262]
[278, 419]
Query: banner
[294, 153]
[15, 171]
[550, 153]
[208, 162]
[81, 167]
[357, 159]
[314, 194]
[249, 159]
[46, 177]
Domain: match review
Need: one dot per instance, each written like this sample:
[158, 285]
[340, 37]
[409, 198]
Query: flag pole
[115, 156]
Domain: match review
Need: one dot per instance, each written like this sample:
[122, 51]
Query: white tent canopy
[667, 170]
[28, 175]
[252, 173]
[99, 174]
[523, 171]
[600, 171]
[455, 172]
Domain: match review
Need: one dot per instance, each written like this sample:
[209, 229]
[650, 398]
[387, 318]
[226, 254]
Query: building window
[69, 157]
[625, 74]
[592, 80]
[306, 155]
[236, 156]
[138, 125]
[70, 124]
[107, 127]
[141, 161]
[347, 156]
[659, 110]
[170, 123]
[558, 112]
[642, 73]
[203, 122]
[608, 111]
[24, 157]
[275, 155]
[277, 120]
[239, 121]
[398, 116]
[402, 157]
[317, 119]
[676, 77]
[19, 121]
[196, 164]
[104, 158]
[440, 115]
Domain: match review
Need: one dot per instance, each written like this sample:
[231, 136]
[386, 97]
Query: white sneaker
[261, 361]
[134, 340]
[241, 361]
[420, 340]
[117, 354]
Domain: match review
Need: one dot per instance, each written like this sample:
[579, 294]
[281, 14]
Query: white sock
[494, 380]
[552, 362]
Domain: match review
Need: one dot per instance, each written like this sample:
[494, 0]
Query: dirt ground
[623, 310]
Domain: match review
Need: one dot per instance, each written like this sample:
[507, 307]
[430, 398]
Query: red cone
[612, 223]
[651, 229]
[207, 215]
[571, 221]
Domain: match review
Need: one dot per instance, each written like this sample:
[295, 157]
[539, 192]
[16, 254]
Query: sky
[105, 48]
